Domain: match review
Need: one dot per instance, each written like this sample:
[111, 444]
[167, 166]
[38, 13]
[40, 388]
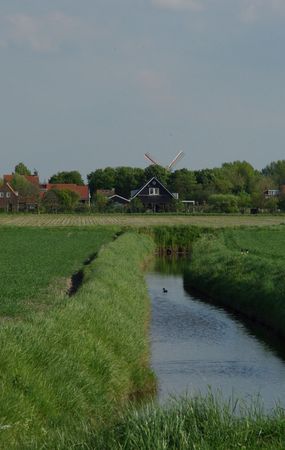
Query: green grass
[65, 373]
[37, 263]
[243, 269]
[200, 423]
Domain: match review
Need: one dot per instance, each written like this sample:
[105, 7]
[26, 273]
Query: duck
[164, 290]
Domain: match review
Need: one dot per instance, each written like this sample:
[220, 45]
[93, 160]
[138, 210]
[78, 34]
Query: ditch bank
[240, 280]
[67, 373]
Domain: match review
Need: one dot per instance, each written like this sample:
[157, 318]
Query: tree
[136, 205]
[184, 182]
[21, 169]
[60, 200]
[225, 203]
[24, 187]
[276, 170]
[128, 178]
[101, 179]
[240, 175]
[159, 172]
[72, 177]
[100, 202]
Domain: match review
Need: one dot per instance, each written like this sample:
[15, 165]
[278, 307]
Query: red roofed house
[82, 191]
[28, 200]
[9, 199]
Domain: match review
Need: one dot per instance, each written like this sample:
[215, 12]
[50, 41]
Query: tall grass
[200, 423]
[65, 374]
[177, 239]
[244, 270]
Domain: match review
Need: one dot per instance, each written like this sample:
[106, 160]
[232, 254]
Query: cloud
[255, 10]
[155, 86]
[194, 5]
[40, 33]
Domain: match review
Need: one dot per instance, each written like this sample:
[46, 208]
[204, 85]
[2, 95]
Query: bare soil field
[56, 220]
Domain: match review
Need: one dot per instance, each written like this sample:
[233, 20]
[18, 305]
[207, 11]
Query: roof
[149, 181]
[9, 187]
[118, 196]
[82, 191]
[34, 179]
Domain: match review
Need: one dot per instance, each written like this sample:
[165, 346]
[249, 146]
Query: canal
[197, 347]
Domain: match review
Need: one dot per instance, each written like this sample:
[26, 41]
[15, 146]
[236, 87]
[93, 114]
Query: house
[28, 197]
[154, 196]
[34, 179]
[9, 198]
[82, 191]
[269, 193]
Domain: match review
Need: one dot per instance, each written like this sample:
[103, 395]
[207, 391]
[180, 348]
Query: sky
[94, 83]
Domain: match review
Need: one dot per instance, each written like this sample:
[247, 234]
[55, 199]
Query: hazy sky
[90, 83]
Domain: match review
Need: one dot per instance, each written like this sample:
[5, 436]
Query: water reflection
[196, 344]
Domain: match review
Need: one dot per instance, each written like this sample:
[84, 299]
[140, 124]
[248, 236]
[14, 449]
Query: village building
[82, 191]
[9, 198]
[28, 201]
[154, 196]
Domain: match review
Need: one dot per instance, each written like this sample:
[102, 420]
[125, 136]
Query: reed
[200, 423]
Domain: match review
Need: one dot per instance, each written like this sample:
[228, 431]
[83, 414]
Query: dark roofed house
[155, 196]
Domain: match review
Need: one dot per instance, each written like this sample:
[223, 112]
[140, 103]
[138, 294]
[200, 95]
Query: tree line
[235, 186]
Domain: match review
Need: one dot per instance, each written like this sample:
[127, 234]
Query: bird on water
[164, 290]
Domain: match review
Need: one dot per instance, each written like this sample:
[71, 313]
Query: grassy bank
[243, 269]
[196, 424]
[67, 372]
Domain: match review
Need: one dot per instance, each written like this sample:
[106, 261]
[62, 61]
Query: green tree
[21, 169]
[100, 202]
[101, 179]
[60, 200]
[241, 176]
[128, 178]
[276, 170]
[72, 177]
[136, 205]
[159, 172]
[25, 189]
[184, 182]
[225, 203]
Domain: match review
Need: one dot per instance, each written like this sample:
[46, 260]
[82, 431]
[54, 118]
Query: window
[1, 194]
[153, 191]
[8, 194]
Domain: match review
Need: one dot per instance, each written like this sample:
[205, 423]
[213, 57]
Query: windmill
[170, 166]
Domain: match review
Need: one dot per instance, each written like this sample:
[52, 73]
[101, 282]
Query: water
[197, 346]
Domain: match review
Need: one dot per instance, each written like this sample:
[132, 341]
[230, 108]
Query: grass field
[37, 263]
[136, 220]
[66, 372]
[243, 269]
